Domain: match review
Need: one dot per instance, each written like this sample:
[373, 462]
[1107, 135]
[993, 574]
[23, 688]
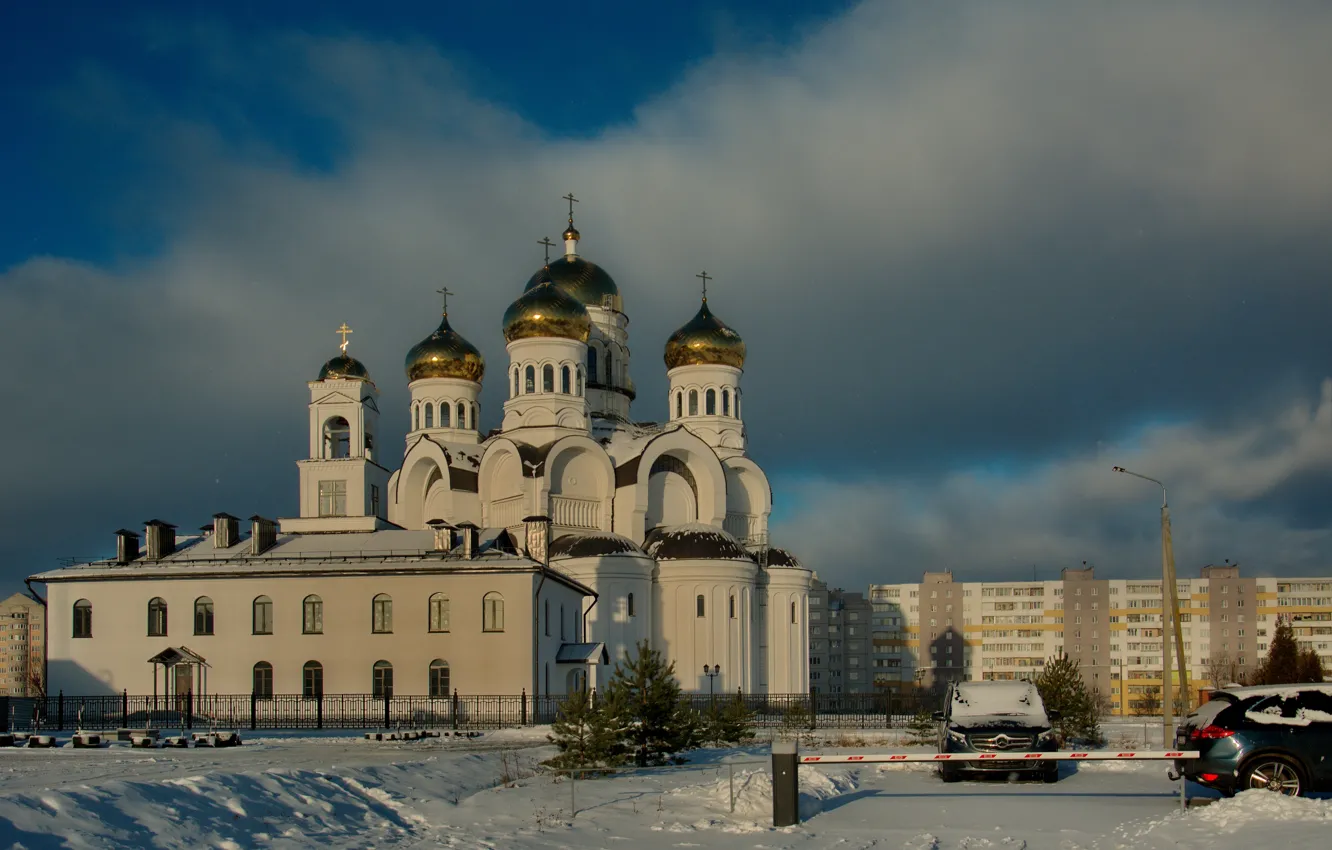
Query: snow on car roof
[996, 699]
[1277, 690]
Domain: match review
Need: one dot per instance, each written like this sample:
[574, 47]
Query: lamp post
[712, 673]
[1169, 622]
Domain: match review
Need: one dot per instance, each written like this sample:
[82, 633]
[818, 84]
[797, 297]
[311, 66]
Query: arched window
[591, 364]
[337, 438]
[439, 678]
[312, 680]
[429, 415]
[312, 615]
[548, 378]
[381, 614]
[679, 405]
[610, 380]
[731, 609]
[700, 606]
[203, 616]
[381, 680]
[726, 402]
[515, 383]
[547, 607]
[476, 412]
[710, 402]
[492, 612]
[693, 402]
[439, 613]
[529, 379]
[83, 619]
[157, 617]
[580, 381]
[263, 680]
[462, 416]
[737, 404]
[566, 386]
[563, 634]
[444, 414]
[631, 605]
[416, 417]
[793, 612]
[263, 616]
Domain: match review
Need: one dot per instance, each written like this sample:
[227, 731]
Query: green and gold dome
[705, 340]
[583, 279]
[344, 367]
[546, 310]
[445, 354]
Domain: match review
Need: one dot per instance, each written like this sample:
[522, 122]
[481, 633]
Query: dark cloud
[952, 237]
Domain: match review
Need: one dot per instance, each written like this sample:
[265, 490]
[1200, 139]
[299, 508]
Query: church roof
[783, 558]
[592, 545]
[694, 541]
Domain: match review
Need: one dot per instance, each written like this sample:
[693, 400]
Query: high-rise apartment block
[22, 646]
[925, 634]
[840, 628]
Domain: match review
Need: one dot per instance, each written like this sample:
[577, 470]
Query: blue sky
[979, 252]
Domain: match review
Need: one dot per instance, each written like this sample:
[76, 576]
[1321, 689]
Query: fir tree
[731, 723]
[1282, 664]
[585, 733]
[1311, 668]
[796, 721]
[923, 728]
[647, 708]
[1063, 691]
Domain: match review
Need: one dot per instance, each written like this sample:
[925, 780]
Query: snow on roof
[593, 544]
[996, 699]
[1276, 690]
[582, 653]
[624, 441]
[695, 541]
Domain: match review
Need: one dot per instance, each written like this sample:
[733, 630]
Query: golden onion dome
[705, 340]
[344, 367]
[546, 310]
[583, 279]
[445, 354]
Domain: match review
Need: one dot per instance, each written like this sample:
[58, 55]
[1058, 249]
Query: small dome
[445, 354]
[592, 545]
[571, 233]
[344, 367]
[695, 542]
[583, 279]
[705, 340]
[782, 558]
[545, 310]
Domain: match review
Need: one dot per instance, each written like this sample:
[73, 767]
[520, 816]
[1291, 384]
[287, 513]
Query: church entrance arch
[672, 493]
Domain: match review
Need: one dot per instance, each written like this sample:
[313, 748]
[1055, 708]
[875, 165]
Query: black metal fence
[460, 711]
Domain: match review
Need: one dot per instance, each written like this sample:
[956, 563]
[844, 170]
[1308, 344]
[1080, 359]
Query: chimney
[127, 546]
[470, 534]
[443, 534]
[161, 538]
[538, 538]
[263, 535]
[226, 531]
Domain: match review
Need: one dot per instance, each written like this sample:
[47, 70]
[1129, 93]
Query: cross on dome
[705, 277]
[344, 330]
[444, 293]
[545, 240]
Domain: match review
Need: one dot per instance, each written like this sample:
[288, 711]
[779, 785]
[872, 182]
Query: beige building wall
[116, 656]
[22, 646]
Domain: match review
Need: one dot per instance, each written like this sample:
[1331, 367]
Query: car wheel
[1050, 775]
[1273, 773]
[948, 774]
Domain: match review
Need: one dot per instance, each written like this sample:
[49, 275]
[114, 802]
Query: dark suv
[996, 717]
[1276, 737]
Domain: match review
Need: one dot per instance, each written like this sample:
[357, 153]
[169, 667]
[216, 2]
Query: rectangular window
[203, 618]
[263, 680]
[374, 500]
[492, 611]
[700, 606]
[263, 616]
[332, 498]
[383, 615]
[312, 681]
[732, 607]
[312, 616]
[439, 613]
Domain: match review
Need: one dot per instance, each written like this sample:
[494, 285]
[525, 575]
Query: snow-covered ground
[337, 792]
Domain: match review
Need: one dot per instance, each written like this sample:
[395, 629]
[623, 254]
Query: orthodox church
[653, 531]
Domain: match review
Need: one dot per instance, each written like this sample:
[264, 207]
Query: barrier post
[60, 709]
[524, 717]
[785, 783]
[4, 712]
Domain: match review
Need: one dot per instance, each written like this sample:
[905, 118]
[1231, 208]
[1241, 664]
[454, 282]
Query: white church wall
[480, 662]
[788, 636]
[705, 468]
[579, 478]
[715, 638]
[615, 578]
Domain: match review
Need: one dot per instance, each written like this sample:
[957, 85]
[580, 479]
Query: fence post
[189, 709]
[60, 709]
[524, 718]
[386, 708]
[813, 708]
[124, 709]
[254, 710]
[455, 708]
[319, 710]
[785, 783]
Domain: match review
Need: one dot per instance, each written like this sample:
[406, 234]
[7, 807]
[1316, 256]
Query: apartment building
[928, 633]
[840, 625]
[22, 646]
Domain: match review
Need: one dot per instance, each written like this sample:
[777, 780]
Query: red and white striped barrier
[1097, 755]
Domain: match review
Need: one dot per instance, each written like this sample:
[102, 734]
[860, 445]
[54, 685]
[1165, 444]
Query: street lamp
[1169, 621]
[712, 673]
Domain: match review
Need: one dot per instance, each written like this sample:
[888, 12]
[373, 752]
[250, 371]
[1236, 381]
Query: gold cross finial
[705, 277]
[344, 330]
[545, 240]
[572, 200]
[444, 293]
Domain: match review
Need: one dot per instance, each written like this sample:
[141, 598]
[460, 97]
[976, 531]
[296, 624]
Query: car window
[1276, 706]
[1316, 706]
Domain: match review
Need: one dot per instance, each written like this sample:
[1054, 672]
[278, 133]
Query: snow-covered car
[996, 717]
[1275, 737]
